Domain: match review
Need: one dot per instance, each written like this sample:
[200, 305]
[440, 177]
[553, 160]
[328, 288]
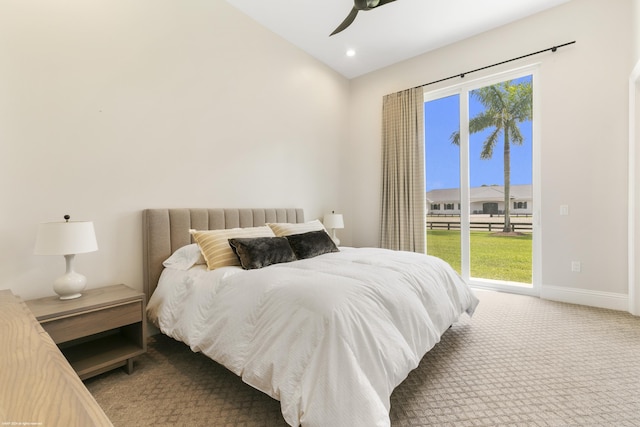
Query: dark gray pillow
[313, 243]
[258, 252]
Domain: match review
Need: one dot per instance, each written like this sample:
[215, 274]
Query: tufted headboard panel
[165, 230]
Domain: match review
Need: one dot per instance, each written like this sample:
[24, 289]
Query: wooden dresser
[37, 384]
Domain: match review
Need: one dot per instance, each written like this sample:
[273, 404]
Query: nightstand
[103, 329]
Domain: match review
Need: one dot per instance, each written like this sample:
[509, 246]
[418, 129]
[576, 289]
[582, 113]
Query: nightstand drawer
[83, 324]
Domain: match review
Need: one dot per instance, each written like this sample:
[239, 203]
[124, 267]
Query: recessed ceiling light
[351, 52]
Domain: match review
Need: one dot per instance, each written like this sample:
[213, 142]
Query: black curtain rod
[461, 75]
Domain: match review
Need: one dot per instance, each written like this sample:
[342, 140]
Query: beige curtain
[403, 210]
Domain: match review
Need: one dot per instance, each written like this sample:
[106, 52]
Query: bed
[329, 336]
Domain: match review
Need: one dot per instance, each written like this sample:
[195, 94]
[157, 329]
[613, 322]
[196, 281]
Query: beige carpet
[518, 361]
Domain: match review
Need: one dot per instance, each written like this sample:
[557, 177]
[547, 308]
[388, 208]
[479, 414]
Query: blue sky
[442, 165]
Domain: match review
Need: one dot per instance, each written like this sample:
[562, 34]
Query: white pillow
[185, 257]
[282, 229]
[214, 244]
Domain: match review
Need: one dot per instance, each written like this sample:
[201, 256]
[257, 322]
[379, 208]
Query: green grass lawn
[492, 256]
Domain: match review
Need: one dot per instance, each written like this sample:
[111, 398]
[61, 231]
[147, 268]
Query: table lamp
[67, 238]
[332, 222]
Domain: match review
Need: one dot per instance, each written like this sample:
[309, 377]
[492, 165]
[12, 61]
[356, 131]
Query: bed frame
[165, 230]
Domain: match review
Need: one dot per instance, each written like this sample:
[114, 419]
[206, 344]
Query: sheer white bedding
[330, 337]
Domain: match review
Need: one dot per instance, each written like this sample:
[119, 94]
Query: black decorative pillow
[258, 252]
[311, 244]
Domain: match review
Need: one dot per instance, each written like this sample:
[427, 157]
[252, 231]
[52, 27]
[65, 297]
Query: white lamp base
[334, 237]
[69, 285]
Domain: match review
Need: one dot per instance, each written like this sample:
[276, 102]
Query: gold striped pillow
[287, 229]
[214, 244]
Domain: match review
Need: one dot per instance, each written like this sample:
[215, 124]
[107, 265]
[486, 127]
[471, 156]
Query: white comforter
[330, 337]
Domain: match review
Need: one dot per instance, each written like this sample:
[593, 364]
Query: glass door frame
[462, 90]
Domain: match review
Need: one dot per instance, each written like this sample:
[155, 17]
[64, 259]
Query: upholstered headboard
[165, 230]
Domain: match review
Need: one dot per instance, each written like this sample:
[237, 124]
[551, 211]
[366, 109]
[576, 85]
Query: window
[466, 154]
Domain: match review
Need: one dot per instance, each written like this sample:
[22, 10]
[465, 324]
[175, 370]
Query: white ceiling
[385, 35]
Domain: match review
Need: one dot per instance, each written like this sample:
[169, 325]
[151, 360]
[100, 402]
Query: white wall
[636, 29]
[634, 175]
[108, 107]
[584, 137]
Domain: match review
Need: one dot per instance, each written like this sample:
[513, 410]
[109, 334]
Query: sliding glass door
[480, 161]
[442, 179]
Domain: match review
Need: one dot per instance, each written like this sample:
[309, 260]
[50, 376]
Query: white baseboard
[599, 299]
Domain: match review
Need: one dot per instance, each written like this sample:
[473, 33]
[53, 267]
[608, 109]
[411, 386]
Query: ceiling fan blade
[348, 21]
[383, 2]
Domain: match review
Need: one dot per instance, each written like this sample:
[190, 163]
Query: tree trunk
[507, 181]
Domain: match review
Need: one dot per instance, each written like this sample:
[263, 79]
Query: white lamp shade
[64, 238]
[333, 220]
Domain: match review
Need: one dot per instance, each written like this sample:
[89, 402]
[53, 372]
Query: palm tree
[506, 106]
